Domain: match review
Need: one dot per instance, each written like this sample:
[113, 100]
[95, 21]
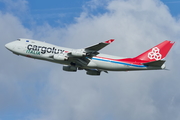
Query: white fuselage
[45, 51]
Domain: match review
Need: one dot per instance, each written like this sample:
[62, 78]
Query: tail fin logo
[154, 54]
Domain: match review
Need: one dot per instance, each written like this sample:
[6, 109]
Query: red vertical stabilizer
[158, 52]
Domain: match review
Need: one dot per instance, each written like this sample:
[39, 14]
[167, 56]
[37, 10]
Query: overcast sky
[37, 90]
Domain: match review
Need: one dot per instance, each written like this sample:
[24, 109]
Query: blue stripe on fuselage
[117, 62]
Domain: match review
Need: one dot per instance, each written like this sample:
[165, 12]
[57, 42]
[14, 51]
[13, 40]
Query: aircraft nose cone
[9, 46]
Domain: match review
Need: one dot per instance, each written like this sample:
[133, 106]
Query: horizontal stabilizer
[158, 63]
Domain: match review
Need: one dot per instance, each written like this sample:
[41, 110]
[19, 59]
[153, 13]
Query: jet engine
[78, 54]
[70, 68]
[93, 72]
[59, 57]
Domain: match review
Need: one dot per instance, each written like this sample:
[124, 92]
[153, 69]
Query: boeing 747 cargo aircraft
[89, 58]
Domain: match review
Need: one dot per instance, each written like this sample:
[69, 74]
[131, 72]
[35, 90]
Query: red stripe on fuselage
[125, 60]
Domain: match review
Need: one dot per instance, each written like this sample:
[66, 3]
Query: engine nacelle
[93, 72]
[59, 57]
[70, 68]
[78, 54]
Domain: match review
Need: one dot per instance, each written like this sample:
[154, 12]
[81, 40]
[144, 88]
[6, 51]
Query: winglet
[109, 41]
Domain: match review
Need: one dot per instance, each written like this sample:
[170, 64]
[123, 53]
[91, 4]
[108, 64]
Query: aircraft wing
[89, 51]
[80, 56]
[98, 46]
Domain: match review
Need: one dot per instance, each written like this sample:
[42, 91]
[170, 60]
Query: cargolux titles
[35, 49]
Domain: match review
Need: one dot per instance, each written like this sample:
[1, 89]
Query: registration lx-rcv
[89, 58]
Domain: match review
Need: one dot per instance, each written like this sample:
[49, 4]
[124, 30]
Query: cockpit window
[19, 39]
